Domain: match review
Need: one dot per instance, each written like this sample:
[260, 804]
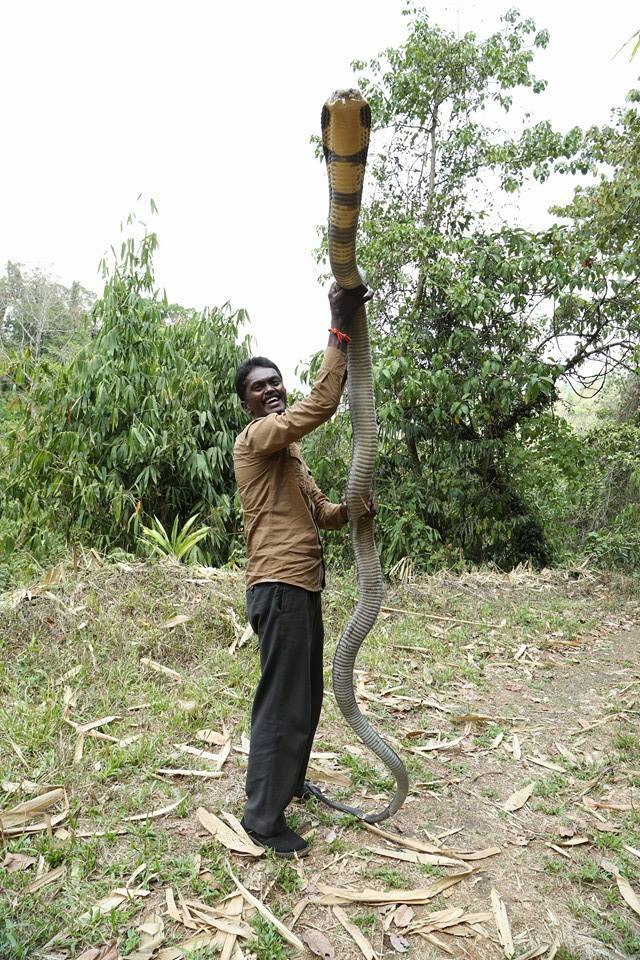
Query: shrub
[141, 423]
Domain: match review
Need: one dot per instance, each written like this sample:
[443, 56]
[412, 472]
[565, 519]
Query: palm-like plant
[181, 544]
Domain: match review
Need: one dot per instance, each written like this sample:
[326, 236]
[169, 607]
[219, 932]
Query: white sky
[208, 108]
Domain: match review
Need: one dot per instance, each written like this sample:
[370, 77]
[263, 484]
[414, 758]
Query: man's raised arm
[268, 434]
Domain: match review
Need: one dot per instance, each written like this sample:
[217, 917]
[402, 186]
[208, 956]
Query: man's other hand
[371, 507]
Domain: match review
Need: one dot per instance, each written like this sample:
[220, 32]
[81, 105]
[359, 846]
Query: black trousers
[288, 700]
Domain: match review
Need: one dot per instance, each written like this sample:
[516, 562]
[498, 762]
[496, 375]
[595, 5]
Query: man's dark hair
[243, 372]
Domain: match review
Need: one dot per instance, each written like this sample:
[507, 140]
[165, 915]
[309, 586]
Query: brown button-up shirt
[282, 505]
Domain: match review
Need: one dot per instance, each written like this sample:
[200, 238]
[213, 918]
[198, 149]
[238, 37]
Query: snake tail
[346, 125]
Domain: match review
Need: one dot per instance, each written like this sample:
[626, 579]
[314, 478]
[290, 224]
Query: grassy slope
[104, 619]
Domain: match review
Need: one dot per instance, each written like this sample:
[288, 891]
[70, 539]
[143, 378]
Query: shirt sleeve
[277, 430]
[328, 515]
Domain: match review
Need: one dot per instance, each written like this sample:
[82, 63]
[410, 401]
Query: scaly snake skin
[346, 123]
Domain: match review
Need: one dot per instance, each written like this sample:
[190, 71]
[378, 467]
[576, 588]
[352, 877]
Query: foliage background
[480, 324]
[121, 408]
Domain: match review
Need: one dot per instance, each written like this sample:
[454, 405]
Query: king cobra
[346, 124]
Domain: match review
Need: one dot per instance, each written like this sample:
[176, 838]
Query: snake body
[346, 124]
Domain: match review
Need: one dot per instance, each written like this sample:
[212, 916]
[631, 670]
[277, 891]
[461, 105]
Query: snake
[346, 126]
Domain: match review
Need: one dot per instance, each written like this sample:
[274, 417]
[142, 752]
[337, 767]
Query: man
[283, 509]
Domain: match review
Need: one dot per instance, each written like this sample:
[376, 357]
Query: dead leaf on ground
[318, 944]
[172, 909]
[450, 920]
[78, 751]
[266, 913]
[328, 776]
[233, 908]
[477, 854]
[535, 952]
[107, 952]
[176, 621]
[14, 862]
[160, 668]
[607, 804]
[502, 923]
[198, 752]
[28, 808]
[50, 877]
[566, 753]
[151, 932]
[399, 944]
[356, 934]
[182, 772]
[413, 856]
[459, 718]
[199, 942]
[187, 706]
[573, 842]
[70, 674]
[519, 798]
[423, 846]
[212, 737]
[161, 812]
[547, 764]
[628, 893]
[332, 896]
[237, 840]
[403, 915]
[92, 724]
[412, 843]
[298, 910]
[16, 821]
[111, 902]
[439, 745]
[240, 640]
[18, 752]
[235, 825]
[605, 826]
[207, 915]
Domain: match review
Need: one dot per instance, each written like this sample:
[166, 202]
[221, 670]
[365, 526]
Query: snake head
[346, 123]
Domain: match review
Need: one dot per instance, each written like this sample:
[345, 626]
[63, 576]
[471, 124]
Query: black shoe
[287, 844]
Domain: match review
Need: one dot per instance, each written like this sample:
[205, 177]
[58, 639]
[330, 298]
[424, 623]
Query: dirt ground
[513, 699]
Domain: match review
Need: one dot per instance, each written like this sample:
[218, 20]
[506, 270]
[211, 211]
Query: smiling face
[264, 392]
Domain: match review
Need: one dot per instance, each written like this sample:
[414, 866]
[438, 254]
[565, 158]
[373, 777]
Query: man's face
[264, 392]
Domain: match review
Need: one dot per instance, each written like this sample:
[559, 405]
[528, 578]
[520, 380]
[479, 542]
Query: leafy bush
[586, 489]
[453, 510]
[141, 423]
[608, 512]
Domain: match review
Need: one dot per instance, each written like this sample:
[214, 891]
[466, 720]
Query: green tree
[40, 315]
[141, 423]
[477, 321]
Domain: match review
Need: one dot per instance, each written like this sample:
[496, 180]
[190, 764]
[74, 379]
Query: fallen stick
[266, 913]
[435, 616]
